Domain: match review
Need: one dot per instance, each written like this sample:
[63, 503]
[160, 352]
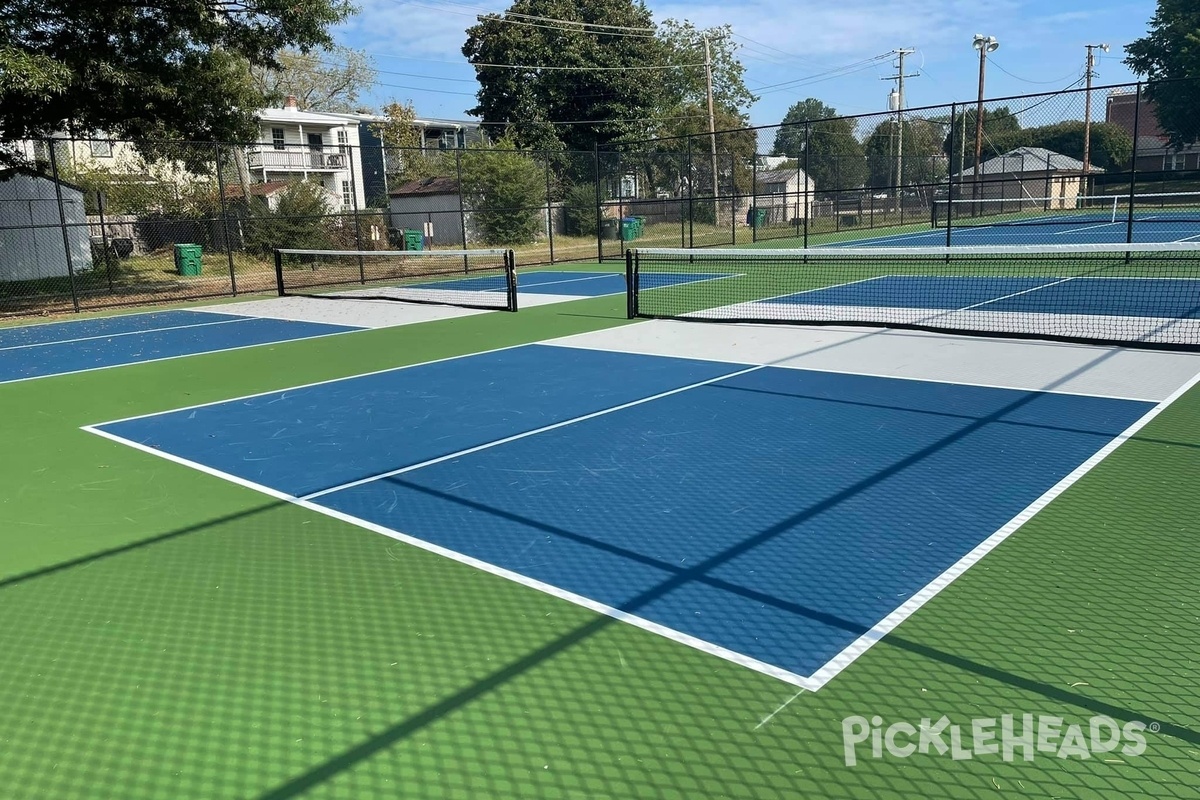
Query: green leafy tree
[834, 158]
[789, 139]
[505, 190]
[330, 80]
[406, 160]
[1112, 147]
[687, 85]
[301, 219]
[1001, 133]
[922, 157]
[578, 90]
[1170, 53]
[169, 70]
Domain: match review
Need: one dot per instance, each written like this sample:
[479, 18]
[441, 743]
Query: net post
[62, 220]
[510, 277]
[1137, 109]
[630, 286]
[279, 273]
[362, 267]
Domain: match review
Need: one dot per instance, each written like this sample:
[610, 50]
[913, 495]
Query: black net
[468, 278]
[1147, 294]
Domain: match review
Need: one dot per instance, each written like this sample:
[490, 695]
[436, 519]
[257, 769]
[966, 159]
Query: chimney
[291, 104]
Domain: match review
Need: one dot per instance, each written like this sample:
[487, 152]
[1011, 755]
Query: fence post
[462, 208]
[62, 219]
[679, 201]
[691, 185]
[225, 219]
[754, 199]
[733, 198]
[807, 199]
[1137, 109]
[950, 193]
[549, 209]
[104, 239]
[599, 205]
[358, 244]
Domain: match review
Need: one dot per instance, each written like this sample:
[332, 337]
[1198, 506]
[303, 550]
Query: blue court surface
[1071, 231]
[1171, 298]
[576, 284]
[771, 516]
[36, 351]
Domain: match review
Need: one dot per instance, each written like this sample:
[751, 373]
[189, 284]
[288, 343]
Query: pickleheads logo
[1008, 737]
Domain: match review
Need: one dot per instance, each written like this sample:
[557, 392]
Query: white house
[784, 194]
[31, 232]
[310, 145]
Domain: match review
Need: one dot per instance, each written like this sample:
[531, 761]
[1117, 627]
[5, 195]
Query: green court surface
[169, 634]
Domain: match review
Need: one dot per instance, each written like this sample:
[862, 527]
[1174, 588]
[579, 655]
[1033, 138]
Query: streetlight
[985, 45]
[1087, 114]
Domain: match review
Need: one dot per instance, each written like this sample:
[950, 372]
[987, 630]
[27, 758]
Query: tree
[1169, 54]
[687, 85]
[505, 190]
[147, 70]
[578, 90]
[789, 139]
[1112, 147]
[406, 160]
[300, 219]
[1001, 130]
[922, 157]
[320, 80]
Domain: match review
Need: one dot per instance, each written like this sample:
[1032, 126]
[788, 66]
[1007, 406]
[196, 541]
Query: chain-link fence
[94, 223]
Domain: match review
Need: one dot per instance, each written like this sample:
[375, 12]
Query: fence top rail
[956, 250]
[405, 253]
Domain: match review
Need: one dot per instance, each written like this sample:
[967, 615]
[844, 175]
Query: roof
[305, 117]
[426, 186]
[780, 175]
[11, 172]
[1029, 159]
[256, 189]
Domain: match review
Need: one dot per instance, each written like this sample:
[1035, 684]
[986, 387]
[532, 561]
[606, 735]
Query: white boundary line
[827, 251]
[1013, 294]
[484, 566]
[125, 333]
[814, 682]
[543, 429]
[864, 642]
[190, 355]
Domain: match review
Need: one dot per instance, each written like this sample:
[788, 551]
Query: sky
[416, 46]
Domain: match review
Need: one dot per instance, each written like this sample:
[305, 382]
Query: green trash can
[760, 217]
[414, 240]
[188, 259]
[629, 229]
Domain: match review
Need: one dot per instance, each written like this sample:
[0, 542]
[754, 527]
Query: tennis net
[1135, 294]
[483, 279]
[1169, 207]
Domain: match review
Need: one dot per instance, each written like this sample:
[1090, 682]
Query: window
[343, 141]
[101, 148]
[346, 194]
[1176, 161]
[776, 188]
[277, 138]
[447, 141]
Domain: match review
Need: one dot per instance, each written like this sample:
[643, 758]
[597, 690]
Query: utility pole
[1087, 114]
[897, 103]
[985, 45]
[712, 127]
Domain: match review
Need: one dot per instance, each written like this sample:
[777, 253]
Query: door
[316, 150]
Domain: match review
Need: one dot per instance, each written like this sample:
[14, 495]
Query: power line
[1026, 80]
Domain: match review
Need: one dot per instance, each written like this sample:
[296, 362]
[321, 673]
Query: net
[1135, 294]
[483, 279]
[1171, 207]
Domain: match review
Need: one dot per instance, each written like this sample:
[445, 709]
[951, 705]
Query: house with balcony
[310, 145]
